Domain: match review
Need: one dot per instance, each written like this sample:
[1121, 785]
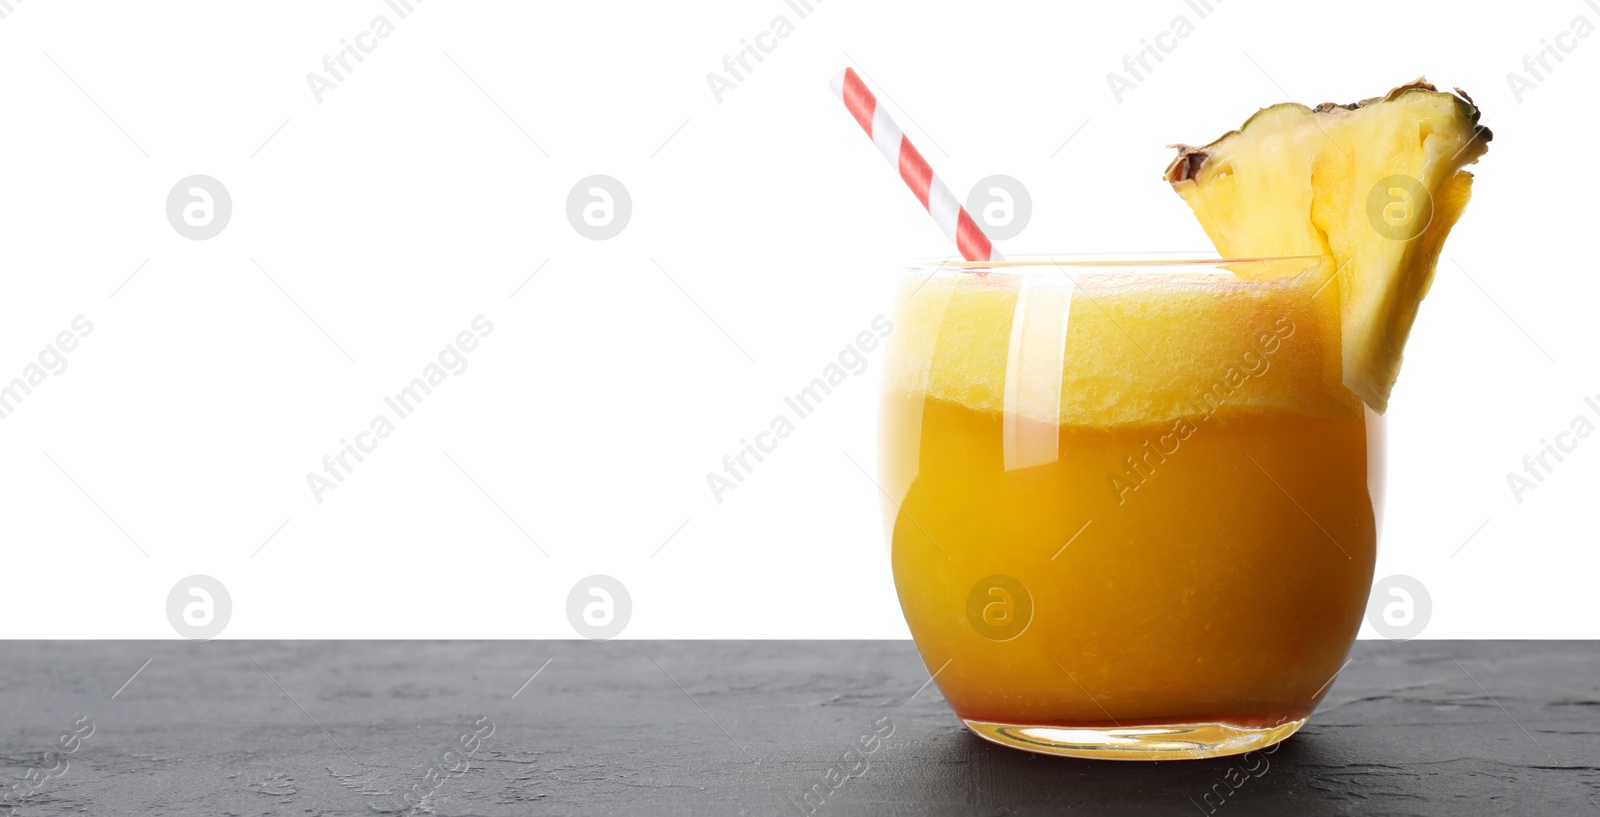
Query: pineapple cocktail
[1133, 499]
[1135, 504]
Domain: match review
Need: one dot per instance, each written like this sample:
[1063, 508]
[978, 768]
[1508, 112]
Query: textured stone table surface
[691, 727]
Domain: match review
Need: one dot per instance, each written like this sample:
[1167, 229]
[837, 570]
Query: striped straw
[947, 212]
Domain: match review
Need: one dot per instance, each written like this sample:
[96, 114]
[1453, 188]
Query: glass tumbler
[1133, 511]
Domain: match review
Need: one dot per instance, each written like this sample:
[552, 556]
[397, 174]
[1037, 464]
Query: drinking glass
[1132, 509]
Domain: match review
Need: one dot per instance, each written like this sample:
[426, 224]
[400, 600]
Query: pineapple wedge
[1377, 185]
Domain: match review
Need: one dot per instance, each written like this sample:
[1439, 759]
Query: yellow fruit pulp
[1174, 475]
[1376, 186]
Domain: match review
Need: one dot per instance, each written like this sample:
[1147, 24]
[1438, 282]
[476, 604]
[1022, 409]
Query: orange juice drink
[1135, 510]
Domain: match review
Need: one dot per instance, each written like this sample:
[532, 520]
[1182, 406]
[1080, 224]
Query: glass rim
[1023, 263]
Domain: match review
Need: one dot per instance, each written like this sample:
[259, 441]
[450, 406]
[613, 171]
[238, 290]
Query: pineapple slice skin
[1377, 185]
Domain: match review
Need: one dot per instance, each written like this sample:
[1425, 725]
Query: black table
[693, 727]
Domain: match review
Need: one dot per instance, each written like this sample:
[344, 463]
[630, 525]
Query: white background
[405, 203]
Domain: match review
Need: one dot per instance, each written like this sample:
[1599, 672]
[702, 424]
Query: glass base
[1173, 741]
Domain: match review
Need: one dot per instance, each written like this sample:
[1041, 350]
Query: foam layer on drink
[1136, 346]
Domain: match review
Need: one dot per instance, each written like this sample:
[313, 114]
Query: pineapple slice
[1377, 185]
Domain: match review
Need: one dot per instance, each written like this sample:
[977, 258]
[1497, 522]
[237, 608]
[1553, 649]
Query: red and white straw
[946, 210]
